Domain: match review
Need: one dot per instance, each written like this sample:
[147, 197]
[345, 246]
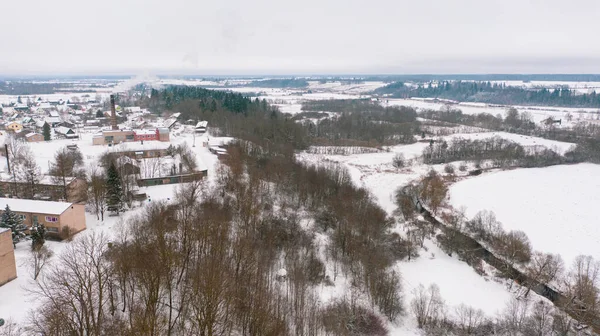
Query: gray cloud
[311, 36]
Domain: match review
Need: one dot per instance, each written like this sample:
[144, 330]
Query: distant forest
[294, 83]
[495, 93]
[29, 88]
[359, 123]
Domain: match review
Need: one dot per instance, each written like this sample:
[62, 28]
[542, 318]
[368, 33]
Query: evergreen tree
[46, 132]
[114, 192]
[38, 236]
[12, 221]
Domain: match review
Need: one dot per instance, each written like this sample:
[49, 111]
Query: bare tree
[433, 190]
[28, 173]
[515, 247]
[74, 293]
[484, 226]
[582, 286]
[38, 259]
[543, 268]
[427, 305]
[514, 316]
[469, 319]
[15, 148]
[540, 322]
[97, 192]
[67, 163]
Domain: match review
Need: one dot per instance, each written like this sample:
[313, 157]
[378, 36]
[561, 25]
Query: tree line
[364, 124]
[501, 152]
[494, 93]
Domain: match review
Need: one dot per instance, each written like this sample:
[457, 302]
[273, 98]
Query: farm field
[554, 206]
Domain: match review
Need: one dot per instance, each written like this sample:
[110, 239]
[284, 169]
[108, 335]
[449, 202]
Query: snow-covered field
[554, 206]
[538, 113]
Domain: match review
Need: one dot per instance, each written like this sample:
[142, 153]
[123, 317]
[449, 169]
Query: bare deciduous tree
[66, 164]
[515, 247]
[97, 192]
[543, 268]
[427, 305]
[74, 292]
[38, 259]
[540, 322]
[469, 318]
[514, 316]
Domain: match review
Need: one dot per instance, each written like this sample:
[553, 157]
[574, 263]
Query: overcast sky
[299, 37]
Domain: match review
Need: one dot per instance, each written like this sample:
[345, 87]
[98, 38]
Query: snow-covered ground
[554, 206]
[15, 303]
[538, 113]
[458, 282]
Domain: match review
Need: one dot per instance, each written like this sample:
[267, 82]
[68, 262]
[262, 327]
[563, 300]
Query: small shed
[34, 137]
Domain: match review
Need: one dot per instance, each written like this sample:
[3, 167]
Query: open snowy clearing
[554, 206]
[538, 113]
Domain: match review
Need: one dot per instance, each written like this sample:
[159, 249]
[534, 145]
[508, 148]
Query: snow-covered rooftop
[43, 207]
[145, 132]
[137, 146]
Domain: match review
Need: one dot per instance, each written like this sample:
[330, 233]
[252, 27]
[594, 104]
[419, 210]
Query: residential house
[39, 125]
[53, 121]
[61, 219]
[21, 107]
[201, 126]
[34, 137]
[8, 266]
[14, 126]
[170, 123]
[65, 132]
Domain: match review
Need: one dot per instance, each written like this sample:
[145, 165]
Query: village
[56, 162]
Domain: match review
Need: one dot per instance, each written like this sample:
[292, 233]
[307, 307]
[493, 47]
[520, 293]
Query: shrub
[449, 169]
[399, 161]
[462, 167]
[345, 318]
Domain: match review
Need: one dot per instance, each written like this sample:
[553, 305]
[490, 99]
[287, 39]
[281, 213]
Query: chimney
[113, 113]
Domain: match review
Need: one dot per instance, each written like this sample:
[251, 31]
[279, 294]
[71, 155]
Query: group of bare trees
[577, 289]
[500, 152]
[209, 263]
[521, 316]
[26, 175]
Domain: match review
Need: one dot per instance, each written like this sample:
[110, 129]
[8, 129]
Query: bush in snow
[346, 318]
[399, 161]
[449, 169]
